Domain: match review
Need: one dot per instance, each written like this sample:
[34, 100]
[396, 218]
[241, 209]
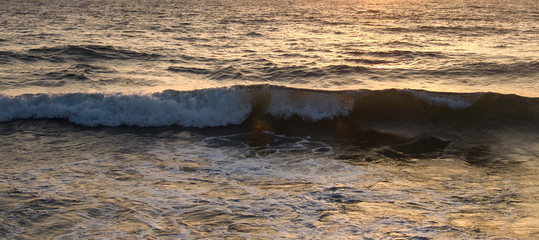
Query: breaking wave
[239, 104]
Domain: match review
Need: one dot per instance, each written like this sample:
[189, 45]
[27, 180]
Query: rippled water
[63, 46]
[269, 119]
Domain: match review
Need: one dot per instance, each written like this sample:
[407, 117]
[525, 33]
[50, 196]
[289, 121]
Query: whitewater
[327, 119]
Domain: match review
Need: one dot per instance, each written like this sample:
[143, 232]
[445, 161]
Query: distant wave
[359, 63]
[271, 73]
[398, 54]
[238, 104]
[81, 53]
[491, 68]
[459, 30]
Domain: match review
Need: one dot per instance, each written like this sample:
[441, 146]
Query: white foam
[199, 108]
[208, 108]
[452, 101]
[309, 105]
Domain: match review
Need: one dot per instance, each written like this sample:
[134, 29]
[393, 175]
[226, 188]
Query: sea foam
[233, 105]
[210, 108]
[312, 105]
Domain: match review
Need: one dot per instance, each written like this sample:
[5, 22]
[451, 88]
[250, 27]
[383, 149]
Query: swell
[81, 53]
[362, 64]
[398, 54]
[458, 30]
[275, 106]
[271, 72]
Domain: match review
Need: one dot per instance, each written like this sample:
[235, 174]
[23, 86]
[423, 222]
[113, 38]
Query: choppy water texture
[269, 119]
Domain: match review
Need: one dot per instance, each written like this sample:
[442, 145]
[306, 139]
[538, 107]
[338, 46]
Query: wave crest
[234, 105]
[216, 107]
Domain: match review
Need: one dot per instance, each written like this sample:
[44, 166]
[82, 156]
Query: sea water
[279, 119]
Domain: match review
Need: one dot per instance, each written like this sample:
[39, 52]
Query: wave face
[239, 104]
[215, 107]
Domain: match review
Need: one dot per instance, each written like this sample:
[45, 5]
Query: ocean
[258, 119]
